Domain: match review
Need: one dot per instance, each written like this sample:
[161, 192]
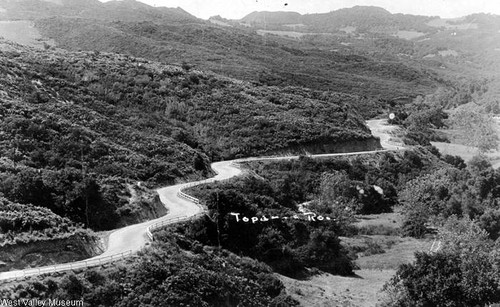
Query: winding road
[382, 130]
[128, 240]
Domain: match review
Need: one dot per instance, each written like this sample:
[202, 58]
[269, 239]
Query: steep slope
[130, 239]
[78, 128]
[245, 55]
[173, 36]
[128, 10]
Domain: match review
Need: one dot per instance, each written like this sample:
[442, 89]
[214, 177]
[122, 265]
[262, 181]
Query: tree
[325, 252]
[430, 117]
[463, 272]
[476, 129]
[199, 163]
[414, 224]
[87, 205]
[433, 280]
[336, 198]
[490, 221]
[427, 194]
[73, 287]
[478, 163]
[335, 187]
[456, 161]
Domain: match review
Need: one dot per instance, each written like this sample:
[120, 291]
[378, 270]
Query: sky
[236, 9]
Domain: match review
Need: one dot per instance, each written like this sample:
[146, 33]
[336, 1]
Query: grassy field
[401, 251]
[390, 220]
[466, 152]
[330, 290]
[363, 289]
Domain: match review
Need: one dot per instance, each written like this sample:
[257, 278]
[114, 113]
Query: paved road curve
[382, 130]
[130, 239]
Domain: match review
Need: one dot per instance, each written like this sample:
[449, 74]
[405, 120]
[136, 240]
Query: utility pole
[217, 220]
[86, 190]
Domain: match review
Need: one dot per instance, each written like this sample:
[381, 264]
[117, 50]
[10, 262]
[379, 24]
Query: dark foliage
[26, 223]
[165, 275]
[77, 127]
[444, 279]
[287, 245]
[468, 192]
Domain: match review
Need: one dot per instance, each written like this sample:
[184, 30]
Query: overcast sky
[236, 9]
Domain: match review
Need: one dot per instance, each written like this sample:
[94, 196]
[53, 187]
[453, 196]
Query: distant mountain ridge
[272, 18]
[364, 18]
[128, 10]
[365, 51]
[288, 17]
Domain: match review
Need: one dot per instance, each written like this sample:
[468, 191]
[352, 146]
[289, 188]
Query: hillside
[272, 18]
[471, 42]
[128, 10]
[170, 36]
[113, 100]
[81, 126]
[364, 19]
[463, 53]
[242, 54]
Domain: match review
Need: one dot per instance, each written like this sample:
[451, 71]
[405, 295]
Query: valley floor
[364, 289]
[331, 290]
[466, 152]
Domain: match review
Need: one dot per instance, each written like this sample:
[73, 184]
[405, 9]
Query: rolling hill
[83, 125]
[115, 99]
[128, 10]
[367, 19]
[361, 66]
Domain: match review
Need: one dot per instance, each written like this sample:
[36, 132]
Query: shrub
[414, 225]
[444, 279]
[378, 230]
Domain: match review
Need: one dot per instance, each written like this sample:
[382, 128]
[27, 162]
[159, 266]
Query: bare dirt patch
[24, 32]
